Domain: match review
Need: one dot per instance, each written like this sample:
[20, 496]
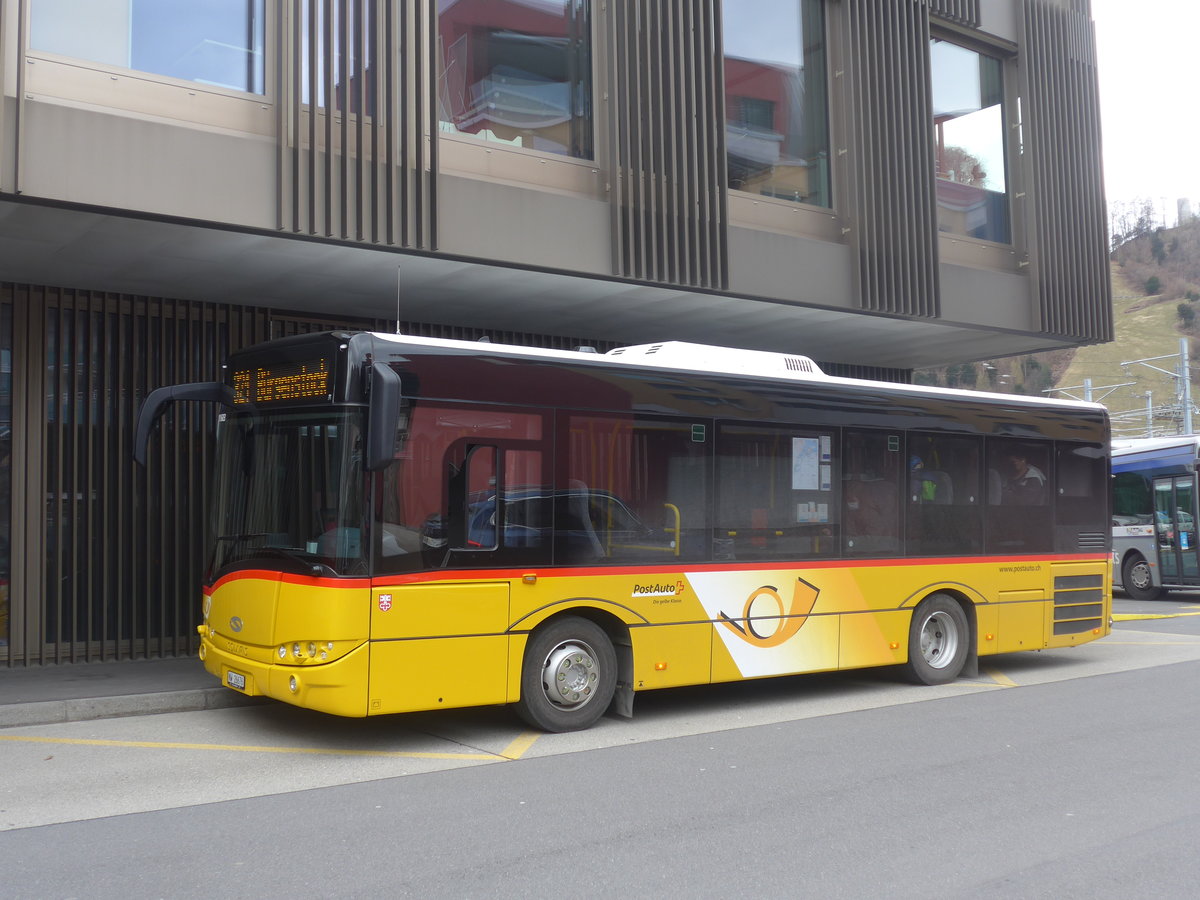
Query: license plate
[236, 680]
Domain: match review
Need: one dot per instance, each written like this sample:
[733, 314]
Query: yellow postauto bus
[410, 524]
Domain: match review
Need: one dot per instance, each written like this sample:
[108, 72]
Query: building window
[776, 101]
[968, 123]
[518, 73]
[217, 42]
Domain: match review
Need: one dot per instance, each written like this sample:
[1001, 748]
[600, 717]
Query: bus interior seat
[578, 503]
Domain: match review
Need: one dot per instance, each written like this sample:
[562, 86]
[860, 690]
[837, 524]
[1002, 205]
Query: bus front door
[1175, 524]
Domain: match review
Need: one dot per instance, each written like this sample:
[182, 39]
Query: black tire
[938, 639]
[1137, 578]
[568, 675]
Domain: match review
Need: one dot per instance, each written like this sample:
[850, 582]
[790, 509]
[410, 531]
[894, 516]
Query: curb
[52, 712]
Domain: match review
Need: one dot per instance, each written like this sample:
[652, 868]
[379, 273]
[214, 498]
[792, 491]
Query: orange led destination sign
[282, 382]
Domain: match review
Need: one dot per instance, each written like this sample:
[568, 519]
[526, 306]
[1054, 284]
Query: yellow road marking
[518, 747]
[311, 751]
[1000, 678]
[1130, 617]
[1110, 642]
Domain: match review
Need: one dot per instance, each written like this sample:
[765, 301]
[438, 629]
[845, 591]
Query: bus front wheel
[937, 641]
[1137, 578]
[568, 675]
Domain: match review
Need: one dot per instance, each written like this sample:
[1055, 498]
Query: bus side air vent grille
[1093, 541]
[799, 364]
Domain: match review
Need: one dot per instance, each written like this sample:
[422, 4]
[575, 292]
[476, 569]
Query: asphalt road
[1056, 774]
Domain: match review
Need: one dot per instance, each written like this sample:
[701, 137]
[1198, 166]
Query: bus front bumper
[338, 687]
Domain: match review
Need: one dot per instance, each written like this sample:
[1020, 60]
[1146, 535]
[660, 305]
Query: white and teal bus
[1154, 515]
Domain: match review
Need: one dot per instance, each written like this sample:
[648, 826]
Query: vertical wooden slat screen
[964, 12]
[893, 217]
[667, 141]
[357, 136]
[1067, 219]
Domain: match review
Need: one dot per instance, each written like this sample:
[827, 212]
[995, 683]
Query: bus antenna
[397, 300]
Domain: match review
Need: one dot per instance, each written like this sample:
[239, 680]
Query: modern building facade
[878, 184]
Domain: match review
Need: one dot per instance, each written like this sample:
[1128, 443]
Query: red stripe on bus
[288, 578]
[592, 571]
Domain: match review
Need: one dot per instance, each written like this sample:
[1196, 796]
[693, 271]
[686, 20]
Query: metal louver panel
[668, 142]
[107, 558]
[893, 229]
[964, 12]
[1069, 240]
[356, 157]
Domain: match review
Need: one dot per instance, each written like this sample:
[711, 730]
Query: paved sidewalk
[39, 695]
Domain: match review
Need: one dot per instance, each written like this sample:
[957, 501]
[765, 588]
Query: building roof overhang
[99, 250]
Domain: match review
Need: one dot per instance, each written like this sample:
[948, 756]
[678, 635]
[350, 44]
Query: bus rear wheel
[568, 675]
[1137, 578]
[937, 641]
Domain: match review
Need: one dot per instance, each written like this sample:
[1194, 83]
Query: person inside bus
[923, 485]
[1025, 483]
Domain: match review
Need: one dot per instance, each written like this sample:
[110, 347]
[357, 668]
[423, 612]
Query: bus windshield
[289, 489]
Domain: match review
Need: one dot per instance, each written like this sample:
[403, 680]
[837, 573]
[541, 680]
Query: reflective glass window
[217, 42]
[633, 489]
[467, 481]
[1018, 478]
[945, 515]
[518, 72]
[776, 494]
[871, 476]
[968, 125]
[1080, 495]
[776, 101]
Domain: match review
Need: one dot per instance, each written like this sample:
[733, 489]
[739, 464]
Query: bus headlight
[282, 652]
[293, 684]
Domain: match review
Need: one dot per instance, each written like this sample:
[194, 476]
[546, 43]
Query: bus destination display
[282, 383]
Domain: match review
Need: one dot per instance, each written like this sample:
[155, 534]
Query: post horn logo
[766, 621]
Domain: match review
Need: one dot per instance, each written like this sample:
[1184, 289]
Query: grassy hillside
[1145, 327]
[1156, 299]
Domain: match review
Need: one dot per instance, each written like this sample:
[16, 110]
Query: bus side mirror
[156, 403]
[383, 417]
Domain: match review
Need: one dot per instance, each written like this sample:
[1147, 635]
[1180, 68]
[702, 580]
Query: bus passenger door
[1175, 526]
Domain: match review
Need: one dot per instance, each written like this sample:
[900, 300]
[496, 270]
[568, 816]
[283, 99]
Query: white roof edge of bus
[684, 355]
[1139, 445]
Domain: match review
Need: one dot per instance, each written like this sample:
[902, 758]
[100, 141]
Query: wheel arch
[605, 616]
[962, 597]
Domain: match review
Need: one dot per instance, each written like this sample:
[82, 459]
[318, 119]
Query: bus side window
[945, 508]
[632, 489]
[777, 493]
[1081, 477]
[1018, 477]
[871, 492]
